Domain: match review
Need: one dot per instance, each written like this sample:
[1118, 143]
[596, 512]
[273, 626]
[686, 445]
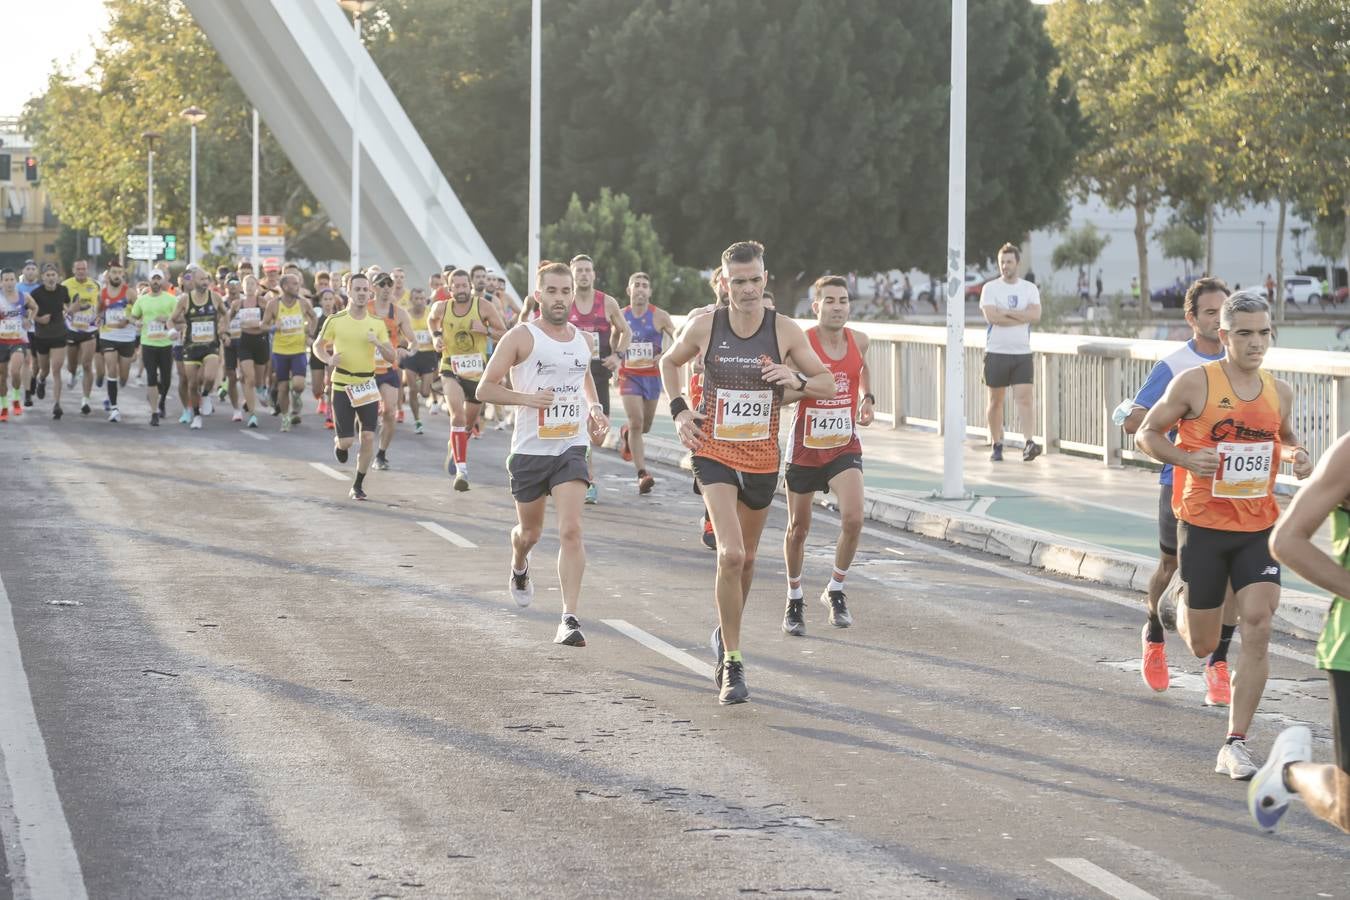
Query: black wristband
[868, 398]
[677, 406]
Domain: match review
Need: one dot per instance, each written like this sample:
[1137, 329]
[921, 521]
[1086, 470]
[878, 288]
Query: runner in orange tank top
[387, 374]
[1233, 428]
[750, 354]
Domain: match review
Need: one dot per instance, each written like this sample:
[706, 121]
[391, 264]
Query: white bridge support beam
[294, 59]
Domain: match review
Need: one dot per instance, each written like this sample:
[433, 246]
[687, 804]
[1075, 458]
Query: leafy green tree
[1180, 241]
[621, 242]
[1080, 249]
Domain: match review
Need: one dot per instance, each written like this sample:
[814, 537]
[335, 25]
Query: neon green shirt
[154, 311]
[1333, 649]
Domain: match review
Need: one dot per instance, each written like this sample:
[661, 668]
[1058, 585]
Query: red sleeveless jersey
[823, 430]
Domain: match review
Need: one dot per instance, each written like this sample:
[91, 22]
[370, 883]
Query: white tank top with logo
[561, 367]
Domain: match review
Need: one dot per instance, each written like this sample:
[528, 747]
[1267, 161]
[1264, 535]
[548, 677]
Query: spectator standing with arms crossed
[1011, 305]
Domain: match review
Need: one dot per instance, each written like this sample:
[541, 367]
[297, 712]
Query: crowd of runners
[370, 350]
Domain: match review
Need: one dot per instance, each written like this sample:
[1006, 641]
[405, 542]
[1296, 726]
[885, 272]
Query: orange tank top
[1246, 434]
[391, 323]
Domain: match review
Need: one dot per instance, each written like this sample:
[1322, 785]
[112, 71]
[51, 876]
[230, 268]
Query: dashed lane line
[253, 434]
[329, 471]
[449, 535]
[1104, 881]
[652, 642]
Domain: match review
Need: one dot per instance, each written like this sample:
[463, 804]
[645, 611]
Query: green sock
[731, 656]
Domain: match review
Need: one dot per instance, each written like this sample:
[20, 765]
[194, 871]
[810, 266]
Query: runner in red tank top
[826, 453]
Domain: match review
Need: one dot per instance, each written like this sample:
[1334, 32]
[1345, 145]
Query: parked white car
[1302, 289]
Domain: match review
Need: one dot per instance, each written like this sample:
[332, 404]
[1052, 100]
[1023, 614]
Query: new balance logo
[1271, 570]
[1225, 403]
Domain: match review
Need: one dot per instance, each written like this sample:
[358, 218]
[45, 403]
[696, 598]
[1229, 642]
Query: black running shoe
[57, 411]
[84, 409]
[339, 453]
[381, 462]
[996, 455]
[42, 389]
[794, 622]
[1031, 451]
[154, 419]
[356, 493]
[719, 652]
[27, 398]
[733, 684]
[569, 632]
[839, 614]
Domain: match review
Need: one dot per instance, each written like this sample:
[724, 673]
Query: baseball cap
[29, 262]
[156, 273]
[384, 279]
[271, 264]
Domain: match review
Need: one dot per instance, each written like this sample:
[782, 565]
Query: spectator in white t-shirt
[1011, 305]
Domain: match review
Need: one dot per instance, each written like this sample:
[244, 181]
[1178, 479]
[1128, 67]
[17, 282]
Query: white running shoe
[1235, 761]
[238, 416]
[1267, 797]
[114, 415]
[522, 588]
[196, 423]
[208, 407]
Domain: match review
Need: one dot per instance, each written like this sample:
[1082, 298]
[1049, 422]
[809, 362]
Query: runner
[1233, 428]
[399, 327]
[198, 316]
[234, 332]
[349, 342]
[318, 372]
[29, 281]
[253, 349]
[461, 327]
[639, 377]
[750, 354]
[598, 314]
[153, 313]
[82, 329]
[547, 361]
[292, 317]
[49, 335]
[117, 336]
[16, 310]
[419, 367]
[1204, 300]
[826, 452]
[1289, 771]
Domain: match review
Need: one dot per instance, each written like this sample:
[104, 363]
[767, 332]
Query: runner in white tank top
[548, 362]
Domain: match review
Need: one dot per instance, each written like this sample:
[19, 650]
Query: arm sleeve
[1154, 386]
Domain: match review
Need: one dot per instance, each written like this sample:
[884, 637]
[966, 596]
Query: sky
[68, 29]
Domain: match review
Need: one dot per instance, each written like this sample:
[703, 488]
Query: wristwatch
[801, 380]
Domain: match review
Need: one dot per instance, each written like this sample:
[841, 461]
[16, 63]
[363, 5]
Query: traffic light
[170, 247]
[30, 168]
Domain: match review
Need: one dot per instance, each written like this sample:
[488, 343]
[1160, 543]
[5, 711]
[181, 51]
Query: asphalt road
[250, 686]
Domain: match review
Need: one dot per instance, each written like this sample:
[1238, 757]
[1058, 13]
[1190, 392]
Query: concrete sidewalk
[1066, 514]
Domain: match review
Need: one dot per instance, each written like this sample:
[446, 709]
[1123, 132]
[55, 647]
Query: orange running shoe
[18, 409]
[328, 423]
[323, 407]
[1218, 692]
[4, 413]
[625, 452]
[398, 417]
[1154, 666]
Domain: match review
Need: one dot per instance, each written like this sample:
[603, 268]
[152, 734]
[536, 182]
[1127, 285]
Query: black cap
[384, 279]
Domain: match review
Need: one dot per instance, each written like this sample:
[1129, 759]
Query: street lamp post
[357, 8]
[532, 245]
[195, 115]
[1262, 264]
[150, 138]
[954, 401]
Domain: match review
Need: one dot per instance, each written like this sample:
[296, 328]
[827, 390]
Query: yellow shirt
[465, 351]
[406, 300]
[356, 355]
[85, 308]
[290, 337]
[422, 340]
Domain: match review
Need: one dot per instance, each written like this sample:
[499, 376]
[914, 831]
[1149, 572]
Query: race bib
[252, 315]
[562, 420]
[826, 429]
[235, 330]
[470, 364]
[11, 329]
[1244, 470]
[423, 339]
[363, 392]
[115, 316]
[291, 324]
[203, 331]
[641, 355]
[742, 415]
[156, 330]
[83, 318]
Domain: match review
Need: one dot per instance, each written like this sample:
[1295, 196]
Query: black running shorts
[345, 416]
[535, 475]
[1004, 369]
[816, 479]
[1211, 559]
[753, 489]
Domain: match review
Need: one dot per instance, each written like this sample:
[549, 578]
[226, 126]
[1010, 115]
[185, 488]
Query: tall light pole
[253, 243]
[536, 39]
[357, 8]
[195, 115]
[150, 138]
[1262, 223]
[954, 400]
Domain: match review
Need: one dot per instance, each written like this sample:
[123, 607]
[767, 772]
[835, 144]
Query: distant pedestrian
[1099, 286]
[1270, 288]
[1134, 289]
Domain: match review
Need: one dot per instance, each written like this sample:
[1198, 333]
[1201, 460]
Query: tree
[1180, 241]
[620, 242]
[1080, 249]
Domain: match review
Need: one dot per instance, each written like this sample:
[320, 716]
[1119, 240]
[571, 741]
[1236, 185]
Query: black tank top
[195, 314]
[741, 409]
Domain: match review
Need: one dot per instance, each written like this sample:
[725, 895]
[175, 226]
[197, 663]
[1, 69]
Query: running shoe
[381, 461]
[719, 655]
[114, 415]
[18, 409]
[645, 482]
[734, 689]
[1031, 451]
[709, 538]
[286, 424]
[252, 421]
[42, 389]
[238, 416]
[222, 392]
[449, 463]
[340, 453]
[794, 619]
[295, 420]
[57, 412]
[1154, 666]
[356, 493]
[328, 424]
[84, 408]
[1235, 761]
[107, 404]
[569, 632]
[398, 417]
[1167, 602]
[417, 426]
[162, 413]
[154, 420]
[185, 418]
[461, 482]
[625, 451]
[839, 614]
[1218, 691]
[323, 408]
[997, 453]
[4, 413]
[27, 398]
[70, 381]
[208, 408]
[196, 423]
[592, 495]
[1267, 797]
[522, 588]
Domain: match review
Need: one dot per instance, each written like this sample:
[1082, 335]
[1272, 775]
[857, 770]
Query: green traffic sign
[170, 247]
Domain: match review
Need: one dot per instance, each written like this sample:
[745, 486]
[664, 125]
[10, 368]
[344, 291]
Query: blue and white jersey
[1161, 375]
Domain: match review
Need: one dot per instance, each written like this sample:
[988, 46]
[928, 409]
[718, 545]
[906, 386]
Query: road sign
[152, 247]
[262, 220]
[268, 245]
[94, 247]
[267, 226]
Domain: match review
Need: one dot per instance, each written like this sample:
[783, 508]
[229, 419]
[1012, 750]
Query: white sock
[837, 580]
[795, 593]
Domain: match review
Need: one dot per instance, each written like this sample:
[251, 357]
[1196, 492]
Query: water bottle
[1122, 412]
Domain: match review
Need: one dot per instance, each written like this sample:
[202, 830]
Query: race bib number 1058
[1244, 470]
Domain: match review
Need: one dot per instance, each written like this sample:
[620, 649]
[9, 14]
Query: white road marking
[449, 535]
[651, 642]
[1102, 880]
[49, 866]
[329, 471]
[253, 434]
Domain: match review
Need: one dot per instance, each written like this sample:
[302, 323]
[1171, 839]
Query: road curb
[1300, 614]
